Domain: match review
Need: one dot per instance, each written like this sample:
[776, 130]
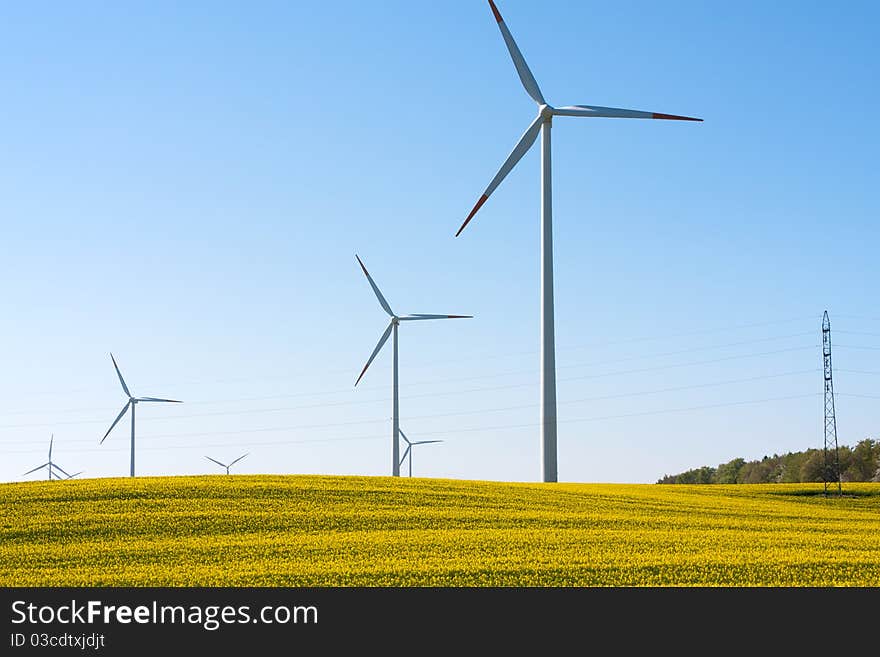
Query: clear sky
[187, 184]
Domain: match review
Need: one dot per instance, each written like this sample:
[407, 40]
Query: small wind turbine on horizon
[50, 466]
[392, 331]
[409, 449]
[541, 124]
[223, 465]
[131, 403]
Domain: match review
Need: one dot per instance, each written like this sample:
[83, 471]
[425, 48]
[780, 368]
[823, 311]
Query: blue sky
[187, 186]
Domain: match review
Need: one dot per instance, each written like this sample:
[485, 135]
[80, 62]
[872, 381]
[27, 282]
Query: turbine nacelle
[131, 403]
[392, 328]
[51, 467]
[546, 112]
[395, 319]
[409, 448]
[224, 465]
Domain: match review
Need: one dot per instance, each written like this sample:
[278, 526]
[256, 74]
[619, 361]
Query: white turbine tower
[542, 124]
[392, 330]
[223, 465]
[131, 403]
[409, 449]
[51, 467]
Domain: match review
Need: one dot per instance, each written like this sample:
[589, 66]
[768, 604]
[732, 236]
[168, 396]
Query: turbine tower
[830, 453]
[541, 124]
[131, 403]
[392, 330]
[409, 449]
[51, 467]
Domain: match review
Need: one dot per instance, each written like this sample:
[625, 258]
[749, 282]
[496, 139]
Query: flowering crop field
[380, 531]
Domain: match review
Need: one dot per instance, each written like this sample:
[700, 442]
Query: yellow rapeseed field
[379, 531]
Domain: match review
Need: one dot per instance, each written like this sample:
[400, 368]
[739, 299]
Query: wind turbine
[50, 467]
[392, 330]
[409, 449]
[131, 403]
[542, 124]
[223, 465]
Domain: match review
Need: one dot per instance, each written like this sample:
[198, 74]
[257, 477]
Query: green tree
[845, 459]
[756, 472]
[860, 463]
[865, 460]
[813, 465]
[792, 463]
[727, 473]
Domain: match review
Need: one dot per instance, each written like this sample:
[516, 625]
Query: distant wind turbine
[223, 465]
[51, 467]
[392, 330]
[541, 124]
[409, 449]
[131, 403]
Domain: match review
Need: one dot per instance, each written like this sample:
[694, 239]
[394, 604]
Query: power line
[471, 359]
[860, 317]
[530, 425]
[852, 394]
[473, 411]
[459, 392]
[873, 335]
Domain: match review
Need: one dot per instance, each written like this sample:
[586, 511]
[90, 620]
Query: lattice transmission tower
[831, 463]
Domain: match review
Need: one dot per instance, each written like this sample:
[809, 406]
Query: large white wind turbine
[131, 403]
[392, 330]
[51, 467]
[223, 465]
[542, 124]
[409, 449]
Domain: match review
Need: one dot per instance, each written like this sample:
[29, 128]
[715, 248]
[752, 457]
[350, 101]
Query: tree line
[859, 463]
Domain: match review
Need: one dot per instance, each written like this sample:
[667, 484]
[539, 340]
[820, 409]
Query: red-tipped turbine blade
[418, 316]
[522, 146]
[496, 12]
[476, 207]
[382, 301]
[616, 113]
[522, 69]
[379, 346]
[673, 117]
[119, 374]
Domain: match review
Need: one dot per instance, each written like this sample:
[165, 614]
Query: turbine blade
[116, 421]
[119, 374]
[222, 465]
[403, 458]
[417, 316]
[75, 474]
[525, 142]
[237, 460]
[616, 113]
[51, 440]
[403, 435]
[58, 467]
[525, 75]
[382, 341]
[379, 296]
[427, 442]
[39, 467]
[156, 399]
